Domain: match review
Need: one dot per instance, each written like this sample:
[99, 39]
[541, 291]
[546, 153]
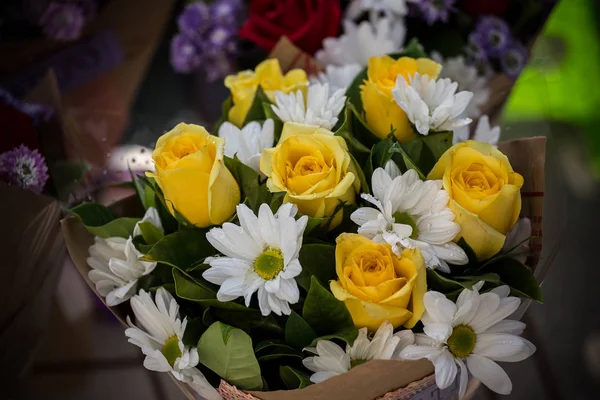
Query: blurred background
[136, 95]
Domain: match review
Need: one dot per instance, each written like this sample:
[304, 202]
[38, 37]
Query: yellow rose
[377, 286]
[269, 76]
[192, 176]
[381, 111]
[485, 194]
[314, 168]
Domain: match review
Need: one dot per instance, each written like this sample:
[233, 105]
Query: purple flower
[194, 19]
[25, 168]
[38, 112]
[493, 35]
[475, 49]
[62, 21]
[219, 66]
[226, 12]
[219, 39]
[513, 60]
[186, 54]
[436, 10]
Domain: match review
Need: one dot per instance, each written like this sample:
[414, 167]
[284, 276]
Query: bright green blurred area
[562, 81]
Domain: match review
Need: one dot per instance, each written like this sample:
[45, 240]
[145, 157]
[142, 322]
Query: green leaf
[150, 232]
[276, 201]
[347, 128]
[193, 330]
[434, 145]
[228, 352]
[293, 379]
[271, 350]
[298, 332]
[100, 221]
[408, 162]
[347, 334]
[364, 185]
[323, 312]
[161, 276]
[250, 320]
[317, 260]
[67, 175]
[144, 190]
[256, 111]
[413, 49]
[438, 282]
[518, 276]
[255, 192]
[277, 123]
[380, 155]
[468, 250]
[183, 249]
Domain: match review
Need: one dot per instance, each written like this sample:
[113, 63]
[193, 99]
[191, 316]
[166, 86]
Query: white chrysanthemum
[517, 240]
[115, 264]
[260, 255]
[161, 339]
[430, 104]
[468, 78]
[359, 43]
[471, 334]
[389, 8]
[320, 109]
[411, 214]
[248, 142]
[483, 133]
[338, 77]
[332, 360]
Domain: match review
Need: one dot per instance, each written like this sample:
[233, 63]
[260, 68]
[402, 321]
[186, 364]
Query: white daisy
[411, 214]
[321, 108]
[483, 133]
[260, 255]
[116, 265]
[468, 78]
[471, 334]
[338, 77]
[517, 240]
[432, 105]
[161, 340]
[359, 43]
[151, 215]
[248, 142]
[332, 360]
[389, 8]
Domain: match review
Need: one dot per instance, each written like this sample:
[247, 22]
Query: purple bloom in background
[226, 12]
[494, 35]
[513, 60]
[194, 19]
[38, 112]
[186, 55]
[62, 21]
[475, 48]
[218, 39]
[25, 168]
[219, 66]
[436, 10]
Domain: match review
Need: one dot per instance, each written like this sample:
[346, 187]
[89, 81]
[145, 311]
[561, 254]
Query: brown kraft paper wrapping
[375, 378]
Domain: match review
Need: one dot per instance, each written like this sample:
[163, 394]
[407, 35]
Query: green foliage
[100, 221]
[228, 352]
[144, 189]
[253, 190]
[271, 350]
[519, 277]
[294, 379]
[317, 260]
[324, 313]
[150, 233]
[67, 175]
[256, 111]
[183, 249]
[298, 332]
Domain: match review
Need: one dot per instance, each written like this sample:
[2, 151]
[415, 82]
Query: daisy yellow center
[405, 219]
[462, 341]
[171, 349]
[269, 264]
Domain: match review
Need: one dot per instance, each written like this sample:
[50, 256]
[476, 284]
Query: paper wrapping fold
[33, 251]
[375, 378]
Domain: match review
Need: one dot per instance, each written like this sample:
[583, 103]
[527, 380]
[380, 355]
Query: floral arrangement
[319, 227]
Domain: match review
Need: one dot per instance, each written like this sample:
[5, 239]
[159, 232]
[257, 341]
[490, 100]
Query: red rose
[304, 22]
[477, 8]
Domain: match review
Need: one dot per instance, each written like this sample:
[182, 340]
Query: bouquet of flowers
[324, 241]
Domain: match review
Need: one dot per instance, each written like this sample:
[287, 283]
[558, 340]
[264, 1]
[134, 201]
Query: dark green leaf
[408, 162]
[347, 334]
[323, 312]
[183, 249]
[144, 189]
[194, 329]
[161, 276]
[468, 250]
[298, 332]
[270, 350]
[249, 320]
[100, 221]
[438, 282]
[379, 156]
[518, 276]
[255, 192]
[347, 128]
[276, 201]
[67, 175]
[228, 352]
[150, 232]
[364, 185]
[256, 111]
[317, 260]
[293, 379]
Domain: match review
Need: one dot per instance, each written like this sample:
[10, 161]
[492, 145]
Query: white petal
[503, 347]
[439, 307]
[489, 373]
[507, 326]
[464, 378]
[438, 331]
[445, 369]
[407, 338]
[380, 182]
[364, 215]
[414, 352]
[319, 377]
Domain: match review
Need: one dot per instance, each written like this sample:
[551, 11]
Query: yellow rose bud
[485, 194]
[381, 111]
[191, 173]
[269, 76]
[314, 168]
[377, 286]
